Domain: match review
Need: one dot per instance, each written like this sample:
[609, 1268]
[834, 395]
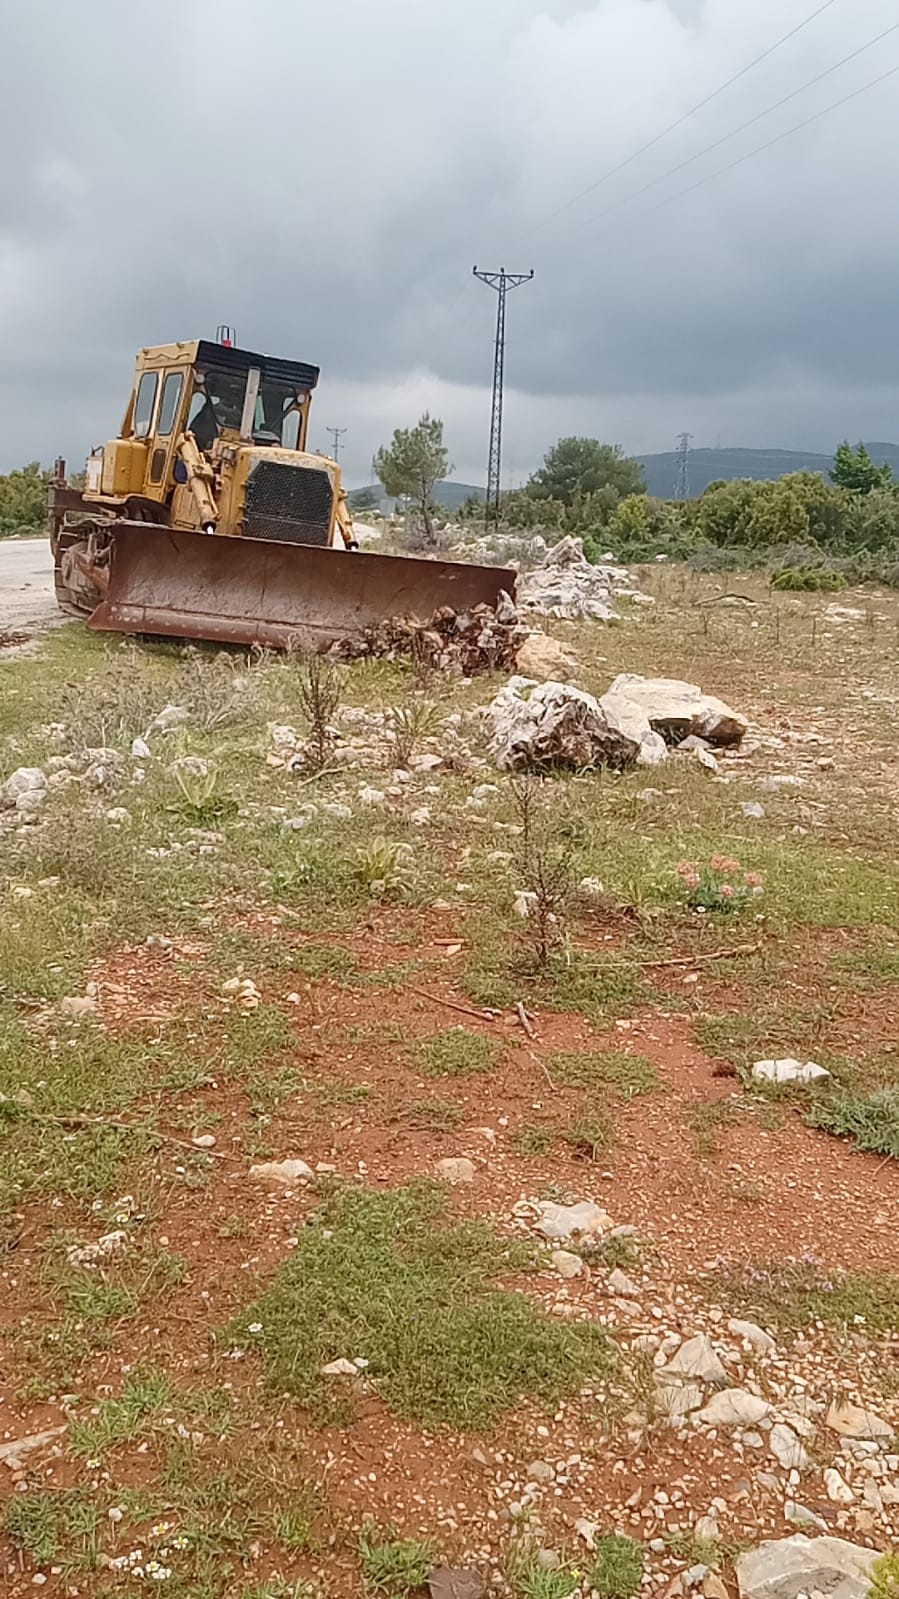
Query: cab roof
[228, 358]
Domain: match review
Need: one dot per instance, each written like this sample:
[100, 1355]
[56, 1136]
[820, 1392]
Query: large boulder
[541, 725]
[25, 780]
[785, 1567]
[676, 710]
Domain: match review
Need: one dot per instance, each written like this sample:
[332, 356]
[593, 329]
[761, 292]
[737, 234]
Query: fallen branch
[699, 960]
[464, 1010]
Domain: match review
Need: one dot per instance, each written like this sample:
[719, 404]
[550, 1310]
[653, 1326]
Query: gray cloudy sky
[324, 177]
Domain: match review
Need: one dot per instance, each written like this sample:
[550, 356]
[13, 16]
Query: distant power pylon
[502, 281]
[682, 480]
[336, 434]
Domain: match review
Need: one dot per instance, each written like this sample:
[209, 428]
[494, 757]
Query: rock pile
[541, 725]
[567, 585]
[634, 723]
[483, 639]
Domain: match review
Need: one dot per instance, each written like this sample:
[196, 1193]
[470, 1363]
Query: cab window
[171, 399]
[145, 403]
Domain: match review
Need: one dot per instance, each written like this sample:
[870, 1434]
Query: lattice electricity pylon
[502, 281]
[682, 481]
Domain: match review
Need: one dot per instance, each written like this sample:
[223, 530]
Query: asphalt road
[27, 601]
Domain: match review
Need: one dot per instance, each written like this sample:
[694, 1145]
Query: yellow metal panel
[124, 467]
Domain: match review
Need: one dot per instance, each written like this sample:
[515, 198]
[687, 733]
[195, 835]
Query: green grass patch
[885, 1576]
[391, 1279]
[617, 1569]
[627, 1074]
[601, 987]
[431, 1115]
[530, 1580]
[44, 1523]
[591, 1132]
[870, 1120]
[456, 1052]
[874, 967]
[793, 1294]
[531, 1141]
[394, 1566]
[121, 1420]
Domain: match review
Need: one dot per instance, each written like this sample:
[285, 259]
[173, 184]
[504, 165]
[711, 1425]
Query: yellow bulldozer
[207, 518]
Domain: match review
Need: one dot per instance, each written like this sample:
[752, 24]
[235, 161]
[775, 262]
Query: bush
[808, 579]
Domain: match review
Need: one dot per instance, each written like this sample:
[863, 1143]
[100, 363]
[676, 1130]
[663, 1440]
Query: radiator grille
[288, 503]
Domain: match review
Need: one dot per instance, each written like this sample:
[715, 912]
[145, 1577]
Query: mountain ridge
[705, 466]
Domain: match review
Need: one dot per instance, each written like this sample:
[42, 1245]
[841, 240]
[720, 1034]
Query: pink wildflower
[723, 863]
[753, 879]
[726, 891]
[686, 870]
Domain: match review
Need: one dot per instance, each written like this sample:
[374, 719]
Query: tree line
[813, 531]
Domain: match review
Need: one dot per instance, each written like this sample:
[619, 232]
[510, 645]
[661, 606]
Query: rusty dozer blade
[256, 591]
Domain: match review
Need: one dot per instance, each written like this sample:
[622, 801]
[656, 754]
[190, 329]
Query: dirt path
[27, 602]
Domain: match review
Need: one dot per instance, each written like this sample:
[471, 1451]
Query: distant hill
[707, 466]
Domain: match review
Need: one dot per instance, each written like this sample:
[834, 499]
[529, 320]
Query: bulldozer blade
[279, 596]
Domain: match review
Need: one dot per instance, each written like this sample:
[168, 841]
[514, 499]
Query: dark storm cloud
[325, 176]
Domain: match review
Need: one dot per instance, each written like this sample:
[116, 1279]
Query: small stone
[852, 1421]
[76, 1006]
[706, 1529]
[140, 749]
[281, 1171]
[541, 1471]
[620, 1284]
[15, 1452]
[675, 1397]
[788, 1071]
[787, 1449]
[549, 1559]
[838, 1489]
[735, 1407]
[569, 1221]
[567, 1264]
[713, 1587]
[753, 811]
[456, 1169]
[801, 1516]
[203, 1141]
[339, 1368]
[754, 1335]
[697, 1358]
[444, 1582]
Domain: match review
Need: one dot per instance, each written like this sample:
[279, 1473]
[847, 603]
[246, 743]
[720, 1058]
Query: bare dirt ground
[136, 1094]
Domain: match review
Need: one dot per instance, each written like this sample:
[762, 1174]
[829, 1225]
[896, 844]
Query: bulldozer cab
[223, 395]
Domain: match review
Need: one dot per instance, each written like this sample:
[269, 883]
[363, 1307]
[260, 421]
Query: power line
[760, 148]
[759, 117]
[502, 281]
[700, 105]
